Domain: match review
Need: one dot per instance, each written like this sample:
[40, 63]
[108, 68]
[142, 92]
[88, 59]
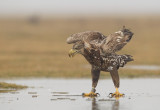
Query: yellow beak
[72, 52]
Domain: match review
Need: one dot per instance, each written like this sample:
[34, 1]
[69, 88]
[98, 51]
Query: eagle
[100, 51]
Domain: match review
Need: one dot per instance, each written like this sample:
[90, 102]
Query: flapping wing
[90, 37]
[116, 41]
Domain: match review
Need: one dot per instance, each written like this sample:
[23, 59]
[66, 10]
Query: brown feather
[99, 51]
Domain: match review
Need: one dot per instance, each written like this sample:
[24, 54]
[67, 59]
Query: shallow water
[143, 67]
[136, 67]
[64, 94]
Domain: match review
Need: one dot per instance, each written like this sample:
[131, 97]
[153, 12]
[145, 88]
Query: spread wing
[88, 37]
[116, 41]
[96, 40]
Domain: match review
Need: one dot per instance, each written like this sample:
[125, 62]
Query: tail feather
[123, 59]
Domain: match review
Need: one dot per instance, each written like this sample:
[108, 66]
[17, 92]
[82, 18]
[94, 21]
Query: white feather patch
[110, 68]
[118, 40]
[119, 37]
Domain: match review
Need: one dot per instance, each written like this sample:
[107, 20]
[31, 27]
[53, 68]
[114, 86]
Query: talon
[98, 94]
[113, 95]
[91, 94]
[116, 94]
[110, 95]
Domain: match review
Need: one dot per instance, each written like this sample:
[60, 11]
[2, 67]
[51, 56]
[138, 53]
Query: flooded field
[65, 94]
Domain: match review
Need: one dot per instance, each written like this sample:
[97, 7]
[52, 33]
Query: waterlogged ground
[65, 94]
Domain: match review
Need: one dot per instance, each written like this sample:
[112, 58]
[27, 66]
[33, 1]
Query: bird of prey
[100, 51]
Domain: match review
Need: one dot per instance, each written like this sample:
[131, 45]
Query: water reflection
[115, 105]
[97, 106]
[94, 104]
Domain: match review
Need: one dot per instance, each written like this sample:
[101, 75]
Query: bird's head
[78, 47]
[125, 34]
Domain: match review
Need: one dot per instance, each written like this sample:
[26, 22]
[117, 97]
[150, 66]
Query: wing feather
[96, 40]
[116, 41]
[88, 36]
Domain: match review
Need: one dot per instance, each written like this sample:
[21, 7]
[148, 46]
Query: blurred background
[33, 35]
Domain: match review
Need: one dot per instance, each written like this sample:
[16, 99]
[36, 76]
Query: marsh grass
[40, 50]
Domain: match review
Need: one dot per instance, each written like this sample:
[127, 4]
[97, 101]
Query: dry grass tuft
[4, 85]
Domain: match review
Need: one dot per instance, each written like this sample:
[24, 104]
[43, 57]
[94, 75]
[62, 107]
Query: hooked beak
[72, 53]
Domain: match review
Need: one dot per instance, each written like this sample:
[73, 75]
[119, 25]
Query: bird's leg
[95, 77]
[115, 78]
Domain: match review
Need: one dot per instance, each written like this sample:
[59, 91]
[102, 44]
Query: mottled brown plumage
[99, 50]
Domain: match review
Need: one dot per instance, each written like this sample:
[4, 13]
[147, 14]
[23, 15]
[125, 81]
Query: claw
[91, 94]
[98, 94]
[110, 95]
[116, 94]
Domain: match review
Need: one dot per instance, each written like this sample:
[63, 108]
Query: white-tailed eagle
[100, 51]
